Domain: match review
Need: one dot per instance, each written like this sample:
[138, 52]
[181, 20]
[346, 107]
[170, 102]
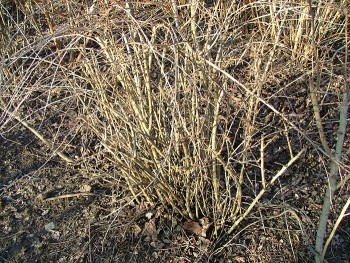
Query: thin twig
[257, 198]
[262, 163]
[335, 227]
[317, 115]
[69, 196]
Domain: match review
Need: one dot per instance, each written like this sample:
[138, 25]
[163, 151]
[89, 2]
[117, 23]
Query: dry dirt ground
[52, 212]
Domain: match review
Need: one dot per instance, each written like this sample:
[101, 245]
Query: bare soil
[53, 212]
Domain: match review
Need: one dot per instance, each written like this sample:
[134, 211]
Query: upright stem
[333, 177]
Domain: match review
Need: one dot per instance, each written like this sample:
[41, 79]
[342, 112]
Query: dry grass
[187, 99]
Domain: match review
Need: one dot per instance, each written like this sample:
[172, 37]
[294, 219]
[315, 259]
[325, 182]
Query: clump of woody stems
[175, 95]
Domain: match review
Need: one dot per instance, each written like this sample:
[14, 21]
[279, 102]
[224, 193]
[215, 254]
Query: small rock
[45, 212]
[166, 241]
[153, 244]
[157, 245]
[155, 255]
[55, 235]
[177, 229]
[149, 215]
[50, 226]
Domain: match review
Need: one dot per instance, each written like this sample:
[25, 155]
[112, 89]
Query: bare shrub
[188, 100]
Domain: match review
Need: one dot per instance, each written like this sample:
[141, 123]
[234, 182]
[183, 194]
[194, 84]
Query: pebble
[155, 255]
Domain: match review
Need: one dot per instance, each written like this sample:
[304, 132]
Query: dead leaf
[199, 229]
[150, 229]
[205, 225]
[193, 227]
[85, 188]
[239, 259]
[136, 229]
